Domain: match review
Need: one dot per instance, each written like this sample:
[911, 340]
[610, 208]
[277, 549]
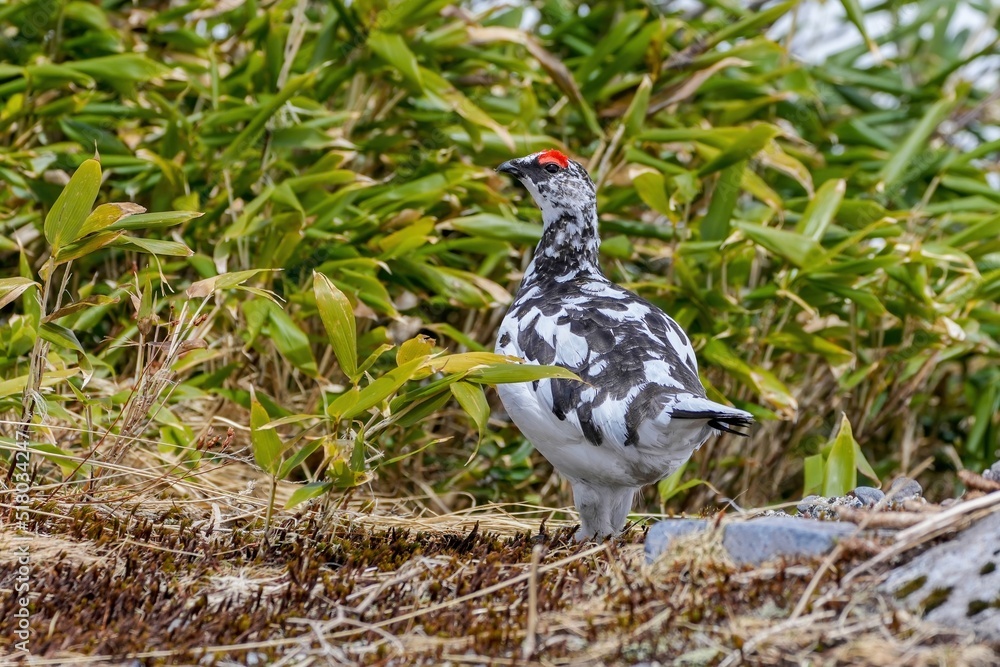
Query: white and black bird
[641, 409]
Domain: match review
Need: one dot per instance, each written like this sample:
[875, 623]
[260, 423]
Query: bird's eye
[552, 168]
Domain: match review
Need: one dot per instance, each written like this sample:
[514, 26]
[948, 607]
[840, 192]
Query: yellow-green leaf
[473, 401]
[338, 318]
[813, 475]
[744, 148]
[307, 492]
[635, 115]
[16, 385]
[511, 372]
[841, 473]
[416, 348]
[106, 215]
[383, 387]
[85, 246]
[203, 288]
[154, 246]
[11, 288]
[650, 186]
[265, 443]
[392, 49]
[820, 211]
[343, 403]
[155, 220]
[798, 249]
[65, 220]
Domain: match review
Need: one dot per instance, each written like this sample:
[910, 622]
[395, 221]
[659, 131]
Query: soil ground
[193, 581]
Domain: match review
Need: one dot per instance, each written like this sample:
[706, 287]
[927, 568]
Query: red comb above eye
[553, 156]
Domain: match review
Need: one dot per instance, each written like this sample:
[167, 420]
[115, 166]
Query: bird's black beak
[511, 167]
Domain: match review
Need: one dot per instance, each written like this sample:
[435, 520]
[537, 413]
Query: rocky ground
[171, 582]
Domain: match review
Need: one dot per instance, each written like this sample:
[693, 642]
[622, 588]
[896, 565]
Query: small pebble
[868, 495]
[811, 504]
[904, 488]
[993, 472]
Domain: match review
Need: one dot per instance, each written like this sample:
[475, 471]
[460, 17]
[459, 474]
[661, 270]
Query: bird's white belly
[609, 464]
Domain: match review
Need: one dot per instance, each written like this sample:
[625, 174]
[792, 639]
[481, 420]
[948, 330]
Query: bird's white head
[557, 184]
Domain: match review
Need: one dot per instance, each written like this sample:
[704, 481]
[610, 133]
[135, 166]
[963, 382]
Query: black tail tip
[731, 424]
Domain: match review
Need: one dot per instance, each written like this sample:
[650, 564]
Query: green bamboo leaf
[419, 347]
[155, 220]
[473, 401]
[439, 88]
[864, 467]
[61, 336]
[652, 190]
[741, 150]
[373, 357]
[716, 223]
[383, 387]
[67, 216]
[51, 378]
[813, 471]
[343, 403]
[86, 246]
[904, 157]
[635, 115]
[89, 302]
[118, 67]
[749, 25]
[291, 341]
[865, 300]
[977, 231]
[672, 485]
[392, 48]
[203, 288]
[797, 340]
[760, 380]
[492, 226]
[404, 14]
[338, 318]
[265, 443]
[308, 492]
[797, 249]
[821, 210]
[296, 459]
[106, 215]
[248, 136]
[857, 17]
[68, 462]
[507, 372]
[12, 288]
[157, 247]
[841, 473]
[970, 186]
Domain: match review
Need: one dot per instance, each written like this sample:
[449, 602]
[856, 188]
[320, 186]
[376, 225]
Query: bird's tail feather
[720, 417]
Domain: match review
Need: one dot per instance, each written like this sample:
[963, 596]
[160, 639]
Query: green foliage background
[826, 233]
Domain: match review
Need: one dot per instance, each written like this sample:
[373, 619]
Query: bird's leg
[621, 506]
[602, 509]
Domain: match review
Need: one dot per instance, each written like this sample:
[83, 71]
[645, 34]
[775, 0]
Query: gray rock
[868, 495]
[758, 540]
[993, 472]
[753, 542]
[904, 488]
[662, 533]
[811, 504]
[956, 583]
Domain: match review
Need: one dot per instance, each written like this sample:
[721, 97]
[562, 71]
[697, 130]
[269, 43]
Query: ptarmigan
[641, 410]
